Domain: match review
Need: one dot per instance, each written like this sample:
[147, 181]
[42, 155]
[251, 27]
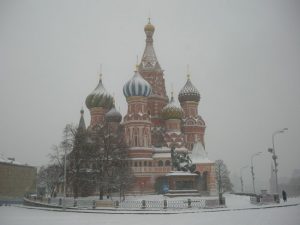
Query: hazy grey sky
[244, 58]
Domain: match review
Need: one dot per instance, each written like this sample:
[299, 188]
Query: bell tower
[151, 71]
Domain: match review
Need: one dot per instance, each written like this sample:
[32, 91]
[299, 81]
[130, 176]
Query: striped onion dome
[137, 86]
[99, 97]
[113, 115]
[189, 92]
[172, 111]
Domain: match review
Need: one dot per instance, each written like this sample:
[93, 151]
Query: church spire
[149, 60]
[81, 121]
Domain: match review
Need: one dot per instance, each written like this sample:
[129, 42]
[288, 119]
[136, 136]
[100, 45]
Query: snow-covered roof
[136, 159]
[162, 155]
[3, 159]
[139, 148]
[180, 173]
[167, 149]
[199, 155]
[162, 149]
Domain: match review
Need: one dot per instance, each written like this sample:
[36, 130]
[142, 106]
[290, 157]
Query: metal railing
[132, 204]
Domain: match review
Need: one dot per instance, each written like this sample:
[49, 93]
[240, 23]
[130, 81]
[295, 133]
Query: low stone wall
[265, 199]
[36, 203]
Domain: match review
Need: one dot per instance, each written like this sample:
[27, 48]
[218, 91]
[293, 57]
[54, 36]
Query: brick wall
[16, 180]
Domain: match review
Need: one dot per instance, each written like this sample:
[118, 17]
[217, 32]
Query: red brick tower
[151, 71]
[193, 124]
[137, 124]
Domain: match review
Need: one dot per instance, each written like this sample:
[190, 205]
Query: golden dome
[149, 27]
[172, 111]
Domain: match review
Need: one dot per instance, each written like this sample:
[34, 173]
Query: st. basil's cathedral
[155, 123]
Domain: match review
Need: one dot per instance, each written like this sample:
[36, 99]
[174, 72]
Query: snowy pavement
[238, 212]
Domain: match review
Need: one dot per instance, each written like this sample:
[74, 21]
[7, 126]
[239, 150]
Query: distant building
[16, 179]
[154, 122]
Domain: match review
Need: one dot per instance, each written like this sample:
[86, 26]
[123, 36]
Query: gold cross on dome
[137, 63]
[188, 71]
[172, 89]
[100, 75]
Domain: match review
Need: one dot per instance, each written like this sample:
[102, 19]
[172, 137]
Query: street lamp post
[65, 179]
[241, 177]
[252, 169]
[274, 156]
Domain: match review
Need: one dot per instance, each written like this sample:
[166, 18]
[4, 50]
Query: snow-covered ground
[289, 215]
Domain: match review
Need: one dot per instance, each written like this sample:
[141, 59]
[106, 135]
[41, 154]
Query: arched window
[135, 137]
[145, 137]
[150, 164]
[130, 137]
[135, 164]
[167, 163]
[127, 132]
[145, 163]
[205, 183]
[160, 163]
[140, 164]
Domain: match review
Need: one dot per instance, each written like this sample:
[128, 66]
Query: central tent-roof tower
[151, 71]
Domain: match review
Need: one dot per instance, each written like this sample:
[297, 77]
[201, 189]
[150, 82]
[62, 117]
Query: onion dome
[189, 92]
[113, 115]
[137, 86]
[149, 28]
[99, 97]
[172, 111]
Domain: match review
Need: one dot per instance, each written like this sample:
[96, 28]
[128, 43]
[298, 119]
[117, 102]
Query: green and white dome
[99, 98]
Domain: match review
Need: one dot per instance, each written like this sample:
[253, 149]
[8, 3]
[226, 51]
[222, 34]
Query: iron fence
[137, 204]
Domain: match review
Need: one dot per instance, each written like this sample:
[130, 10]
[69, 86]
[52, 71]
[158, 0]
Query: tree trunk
[101, 193]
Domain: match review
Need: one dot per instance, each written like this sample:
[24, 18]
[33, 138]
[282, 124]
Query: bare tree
[53, 174]
[95, 159]
[50, 177]
[222, 175]
[78, 160]
[111, 160]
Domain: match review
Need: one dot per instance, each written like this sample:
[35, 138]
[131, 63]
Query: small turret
[113, 115]
[81, 121]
